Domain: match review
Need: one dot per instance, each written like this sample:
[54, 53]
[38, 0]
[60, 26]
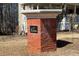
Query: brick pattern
[48, 30]
[45, 39]
[34, 42]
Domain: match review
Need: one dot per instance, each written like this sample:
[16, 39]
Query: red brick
[45, 39]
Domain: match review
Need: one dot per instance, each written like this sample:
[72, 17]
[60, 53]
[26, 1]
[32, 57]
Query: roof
[41, 10]
[41, 15]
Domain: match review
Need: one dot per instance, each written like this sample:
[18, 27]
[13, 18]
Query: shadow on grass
[62, 43]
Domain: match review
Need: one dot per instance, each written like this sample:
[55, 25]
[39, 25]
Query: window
[50, 6]
[42, 6]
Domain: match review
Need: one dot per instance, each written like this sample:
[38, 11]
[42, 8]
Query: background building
[22, 20]
[67, 20]
[37, 8]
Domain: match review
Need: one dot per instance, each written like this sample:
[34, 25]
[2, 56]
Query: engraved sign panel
[33, 29]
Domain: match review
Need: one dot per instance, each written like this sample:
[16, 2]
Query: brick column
[41, 35]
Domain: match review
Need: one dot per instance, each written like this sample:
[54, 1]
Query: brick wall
[45, 38]
[48, 34]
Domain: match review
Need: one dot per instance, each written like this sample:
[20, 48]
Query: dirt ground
[14, 45]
